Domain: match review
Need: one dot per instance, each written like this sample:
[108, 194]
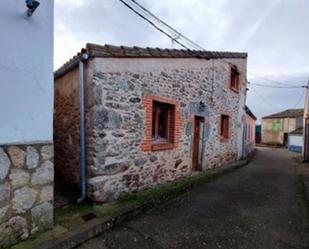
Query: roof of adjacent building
[290, 113]
[297, 131]
[250, 113]
[95, 50]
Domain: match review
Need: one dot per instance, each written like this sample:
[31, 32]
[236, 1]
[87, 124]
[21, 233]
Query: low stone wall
[26, 191]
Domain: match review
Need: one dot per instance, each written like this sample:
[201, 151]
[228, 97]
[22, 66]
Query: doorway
[285, 139]
[197, 154]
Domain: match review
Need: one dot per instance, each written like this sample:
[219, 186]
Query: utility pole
[306, 128]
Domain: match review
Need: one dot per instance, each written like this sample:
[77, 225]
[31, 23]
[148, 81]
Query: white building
[26, 118]
[295, 141]
[306, 127]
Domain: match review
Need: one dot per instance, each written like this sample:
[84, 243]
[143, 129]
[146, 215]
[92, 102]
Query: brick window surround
[234, 79]
[174, 126]
[224, 127]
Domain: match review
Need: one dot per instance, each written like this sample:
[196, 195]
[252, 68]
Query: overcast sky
[275, 34]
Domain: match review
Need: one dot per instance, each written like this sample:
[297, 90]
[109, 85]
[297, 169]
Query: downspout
[83, 167]
[243, 142]
[244, 132]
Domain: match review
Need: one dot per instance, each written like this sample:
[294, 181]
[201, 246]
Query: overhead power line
[300, 99]
[161, 26]
[176, 34]
[190, 45]
[282, 87]
[154, 25]
[271, 80]
[261, 97]
[274, 106]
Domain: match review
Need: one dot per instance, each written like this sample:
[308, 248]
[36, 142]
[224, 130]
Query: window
[162, 124]
[225, 126]
[234, 79]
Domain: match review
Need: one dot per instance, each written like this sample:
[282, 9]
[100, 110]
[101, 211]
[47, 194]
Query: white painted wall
[26, 70]
[296, 140]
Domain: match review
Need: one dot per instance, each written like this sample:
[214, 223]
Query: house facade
[151, 116]
[276, 127]
[26, 100]
[249, 132]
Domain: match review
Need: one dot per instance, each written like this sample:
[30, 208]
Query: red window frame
[162, 123]
[172, 134]
[234, 78]
[224, 126]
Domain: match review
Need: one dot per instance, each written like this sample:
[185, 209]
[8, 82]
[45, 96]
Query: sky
[275, 34]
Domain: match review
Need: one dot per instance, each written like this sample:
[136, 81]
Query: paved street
[258, 206]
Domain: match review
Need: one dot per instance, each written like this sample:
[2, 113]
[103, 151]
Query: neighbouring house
[249, 139]
[295, 141]
[151, 116]
[26, 100]
[276, 127]
[306, 127]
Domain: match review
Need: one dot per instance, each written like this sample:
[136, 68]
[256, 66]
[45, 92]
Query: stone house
[26, 100]
[276, 127]
[249, 131]
[151, 116]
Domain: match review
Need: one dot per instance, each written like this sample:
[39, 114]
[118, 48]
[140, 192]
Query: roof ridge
[108, 50]
[286, 113]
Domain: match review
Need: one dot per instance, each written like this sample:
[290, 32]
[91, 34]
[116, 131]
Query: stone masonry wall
[26, 191]
[67, 127]
[120, 165]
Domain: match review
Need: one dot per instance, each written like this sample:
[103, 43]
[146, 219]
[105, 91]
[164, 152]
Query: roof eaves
[250, 113]
[95, 50]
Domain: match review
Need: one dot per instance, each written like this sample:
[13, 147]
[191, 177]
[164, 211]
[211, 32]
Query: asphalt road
[258, 206]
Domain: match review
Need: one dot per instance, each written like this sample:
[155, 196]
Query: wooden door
[196, 160]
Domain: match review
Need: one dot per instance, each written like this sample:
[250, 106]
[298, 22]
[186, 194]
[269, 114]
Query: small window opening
[161, 121]
[225, 126]
[234, 79]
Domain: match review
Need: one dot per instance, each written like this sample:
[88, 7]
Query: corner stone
[4, 164]
[17, 156]
[19, 178]
[47, 194]
[108, 119]
[13, 230]
[24, 199]
[42, 216]
[44, 174]
[47, 152]
[32, 158]
[114, 168]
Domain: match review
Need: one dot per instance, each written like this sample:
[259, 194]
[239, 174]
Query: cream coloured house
[276, 127]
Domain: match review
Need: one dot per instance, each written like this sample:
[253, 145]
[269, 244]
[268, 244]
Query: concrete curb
[98, 226]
